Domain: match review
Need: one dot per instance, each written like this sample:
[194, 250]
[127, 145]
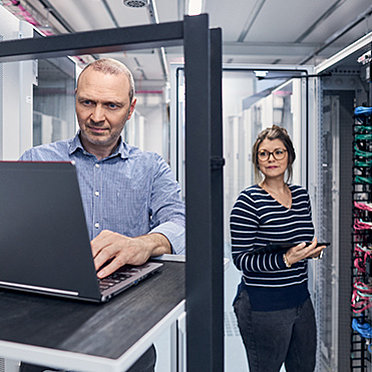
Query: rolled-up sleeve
[175, 233]
[167, 208]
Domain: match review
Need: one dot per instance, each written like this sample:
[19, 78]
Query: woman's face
[272, 158]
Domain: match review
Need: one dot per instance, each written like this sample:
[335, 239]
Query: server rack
[342, 87]
[361, 301]
[362, 240]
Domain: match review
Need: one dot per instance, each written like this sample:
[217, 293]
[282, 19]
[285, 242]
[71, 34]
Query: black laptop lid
[43, 234]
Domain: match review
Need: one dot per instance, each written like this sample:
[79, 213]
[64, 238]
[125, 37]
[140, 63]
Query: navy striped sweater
[257, 219]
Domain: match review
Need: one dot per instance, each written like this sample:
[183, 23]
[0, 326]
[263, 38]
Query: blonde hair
[272, 133]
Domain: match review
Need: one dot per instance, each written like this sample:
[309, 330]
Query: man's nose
[98, 114]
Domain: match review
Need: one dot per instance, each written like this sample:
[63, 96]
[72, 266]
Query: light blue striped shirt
[131, 192]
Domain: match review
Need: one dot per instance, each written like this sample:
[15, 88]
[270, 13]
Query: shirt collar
[121, 150]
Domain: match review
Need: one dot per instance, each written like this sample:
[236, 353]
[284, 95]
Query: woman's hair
[275, 132]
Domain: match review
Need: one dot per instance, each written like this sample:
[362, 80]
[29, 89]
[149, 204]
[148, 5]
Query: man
[131, 201]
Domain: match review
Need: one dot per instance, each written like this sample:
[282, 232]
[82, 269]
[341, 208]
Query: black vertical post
[199, 274]
[217, 163]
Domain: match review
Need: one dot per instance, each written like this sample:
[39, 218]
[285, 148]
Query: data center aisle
[235, 357]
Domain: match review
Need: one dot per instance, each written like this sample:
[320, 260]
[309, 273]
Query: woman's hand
[301, 251]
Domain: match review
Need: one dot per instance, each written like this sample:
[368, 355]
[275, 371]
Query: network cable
[364, 330]
[362, 111]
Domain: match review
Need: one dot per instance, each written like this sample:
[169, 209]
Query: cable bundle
[362, 225]
[361, 299]
[362, 254]
[364, 329]
[362, 112]
[363, 205]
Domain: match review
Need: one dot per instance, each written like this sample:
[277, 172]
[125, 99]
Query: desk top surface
[106, 330]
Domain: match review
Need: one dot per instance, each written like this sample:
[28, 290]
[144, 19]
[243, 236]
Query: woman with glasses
[273, 307]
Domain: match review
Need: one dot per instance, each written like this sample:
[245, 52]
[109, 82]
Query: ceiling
[254, 31]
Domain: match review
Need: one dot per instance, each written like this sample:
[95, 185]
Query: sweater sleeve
[244, 224]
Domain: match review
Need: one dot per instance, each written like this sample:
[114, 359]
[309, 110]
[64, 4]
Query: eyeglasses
[278, 154]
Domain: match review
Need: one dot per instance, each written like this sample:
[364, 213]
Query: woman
[273, 307]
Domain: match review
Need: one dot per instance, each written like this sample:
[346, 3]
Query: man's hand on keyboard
[123, 250]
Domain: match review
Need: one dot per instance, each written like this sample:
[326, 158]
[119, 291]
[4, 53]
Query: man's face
[102, 108]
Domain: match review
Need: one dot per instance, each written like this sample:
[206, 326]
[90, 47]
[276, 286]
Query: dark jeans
[272, 338]
[146, 363]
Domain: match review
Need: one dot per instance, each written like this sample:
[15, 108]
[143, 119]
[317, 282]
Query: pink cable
[358, 302]
[360, 225]
[363, 206]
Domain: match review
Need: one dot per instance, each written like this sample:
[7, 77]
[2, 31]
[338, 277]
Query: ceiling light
[195, 7]
[135, 3]
[261, 73]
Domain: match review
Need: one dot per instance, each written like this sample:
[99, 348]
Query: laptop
[44, 241]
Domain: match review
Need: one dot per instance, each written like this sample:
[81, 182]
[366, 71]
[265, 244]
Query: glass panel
[54, 101]
[148, 128]
[16, 80]
[250, 104]
[252, 101]
[248, 107]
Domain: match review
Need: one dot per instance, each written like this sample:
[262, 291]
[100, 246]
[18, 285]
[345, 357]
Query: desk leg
[181, 343]
[8, 365]
[173, 347]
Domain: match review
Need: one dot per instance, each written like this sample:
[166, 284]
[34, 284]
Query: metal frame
[217, 162]
[332, 61]
[204, 232]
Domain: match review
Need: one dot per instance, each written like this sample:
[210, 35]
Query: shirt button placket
[97, 217]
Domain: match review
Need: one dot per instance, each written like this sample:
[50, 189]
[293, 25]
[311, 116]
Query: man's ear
[131, 108]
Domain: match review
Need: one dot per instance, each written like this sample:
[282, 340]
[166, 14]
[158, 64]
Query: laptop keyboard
[119, 276]
[113, 279]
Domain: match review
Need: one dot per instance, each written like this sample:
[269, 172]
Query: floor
[235, 357]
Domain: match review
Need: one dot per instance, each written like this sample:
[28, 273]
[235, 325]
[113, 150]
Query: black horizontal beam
[91, 42]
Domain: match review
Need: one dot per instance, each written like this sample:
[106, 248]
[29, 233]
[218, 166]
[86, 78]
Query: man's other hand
[121, 250]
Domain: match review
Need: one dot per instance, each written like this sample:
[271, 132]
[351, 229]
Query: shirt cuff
[174, 233]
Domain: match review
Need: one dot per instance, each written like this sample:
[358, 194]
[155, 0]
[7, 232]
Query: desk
[75, 335]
